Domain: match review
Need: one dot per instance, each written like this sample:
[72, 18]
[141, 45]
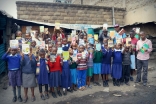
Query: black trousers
[125, 73]
[40, 88]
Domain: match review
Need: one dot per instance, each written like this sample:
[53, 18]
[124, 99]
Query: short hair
[18, 31]
[132, 31]
[42, 51]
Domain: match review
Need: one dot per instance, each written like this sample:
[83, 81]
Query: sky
[10, 5]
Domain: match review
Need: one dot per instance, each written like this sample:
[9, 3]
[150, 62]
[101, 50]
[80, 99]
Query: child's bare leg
[26, 93]
[52, 89]
[89, 80]
[32, 92]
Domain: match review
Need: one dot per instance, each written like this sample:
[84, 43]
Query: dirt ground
[133, 94]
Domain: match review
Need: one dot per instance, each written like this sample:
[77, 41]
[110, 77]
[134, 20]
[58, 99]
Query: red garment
[54, 37]
[55, 66]
[134, 42]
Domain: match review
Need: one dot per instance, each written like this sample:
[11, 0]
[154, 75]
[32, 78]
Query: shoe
[95, 84]
[137, 81]
[42, 97]
[127, 84]
[83, 88]
[46, 96]
[90, 86]
[54, 95]
[121, 83]
[144, 84]
[131, 78]
[25, 100]
[14, 99]
[64, 93]
[74, 89]
[70, 90]
[59, 93]
[107, 85]
[118, 83]
[20, 99]
[104, 83]
[33, 99]
[98, 83]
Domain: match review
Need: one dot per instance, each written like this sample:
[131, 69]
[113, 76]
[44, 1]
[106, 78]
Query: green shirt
[73, 65]
[97, 57]
[137, 36]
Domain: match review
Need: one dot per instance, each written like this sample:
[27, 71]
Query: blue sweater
[107, 54]
[28, 66]
[13, 61]
[117, 57]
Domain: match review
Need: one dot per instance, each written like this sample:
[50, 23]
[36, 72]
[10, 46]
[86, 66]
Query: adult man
[103, 36]
[144, 47]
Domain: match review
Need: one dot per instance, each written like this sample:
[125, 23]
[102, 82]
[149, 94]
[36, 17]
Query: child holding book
[106, 64]
[81, 68]
[66, 74]
[42, 74]
[15, 78]
[34, 49]
[55, 69]
[73, 70]
[28, 64]
[117, 65]
[97, 66]
[127, 51]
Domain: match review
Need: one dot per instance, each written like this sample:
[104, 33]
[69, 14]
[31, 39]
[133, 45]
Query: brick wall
[68, 13]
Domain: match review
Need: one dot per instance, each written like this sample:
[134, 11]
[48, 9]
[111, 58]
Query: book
[41, 28]
[110, 43]
[121, 31]
[133, 66]
[52, 58]
[137, 30]
[57, 25]
[34, 50]
[42, 44]
[144, 48]
[65, 55]
[33, 32]
[74, 58]
[95, 37]
[83, 55]
[73, 40]
[112, 34]
[46, 30]
[18, 38]
[128, 41]
[14, 44]
[81, 42]
[79, 55]
[98, 47]
[90, 36]
[25, 48]
[91, 40]
[59, 50]
[105, 26]
[69, 38]
[118, 40]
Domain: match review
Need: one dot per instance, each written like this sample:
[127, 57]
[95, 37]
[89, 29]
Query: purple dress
[43, 74]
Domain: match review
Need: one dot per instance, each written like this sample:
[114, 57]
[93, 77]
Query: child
[90, 66]
[15, 78]
[42, 76]
[106, 64]
[28, 38]
[126, 65]
[97, 66]
[74, 47]
[34, 49]
[117, 65]
[28, 64]
[81, 68]
[55, 69]
[66, 75]
[73, 70]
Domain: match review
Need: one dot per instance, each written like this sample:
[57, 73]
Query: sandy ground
[133, 94]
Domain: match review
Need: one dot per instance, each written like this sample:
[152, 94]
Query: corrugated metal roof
[5, 14]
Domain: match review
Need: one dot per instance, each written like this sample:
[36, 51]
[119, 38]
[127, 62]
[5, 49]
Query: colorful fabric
[97, 68]
[116, 71]
[106, 68]
[73, 76]
[90, 71]
[55, 79]
[55, 66]
[81, 78]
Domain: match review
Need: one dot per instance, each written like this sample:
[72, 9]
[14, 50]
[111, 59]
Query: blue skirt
[55, 79]
[117, 71]
[106, 69]
[66, 75]
[73, 76]
[15, 78]
[97, 68]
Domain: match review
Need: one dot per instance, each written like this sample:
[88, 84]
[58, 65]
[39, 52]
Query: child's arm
[32, 60]
[4, 57]
[50, 64]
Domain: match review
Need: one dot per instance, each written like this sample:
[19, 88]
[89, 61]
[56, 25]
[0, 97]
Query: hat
[116, 25]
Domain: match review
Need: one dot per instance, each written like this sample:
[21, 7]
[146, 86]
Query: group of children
[70, 74]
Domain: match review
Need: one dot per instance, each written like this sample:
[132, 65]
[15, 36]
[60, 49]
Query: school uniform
[106, 61]
[73, 71]
[81, 71]
[117, 64]
[15, 78]
[55, 70]
[97, 62]
[90, 65]
[66, 74]
[28, 71]
[126, 67]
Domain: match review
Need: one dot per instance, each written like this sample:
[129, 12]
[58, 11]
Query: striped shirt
[82, 63]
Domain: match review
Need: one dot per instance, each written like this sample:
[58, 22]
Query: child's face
[27, 36]
[58, 35]
[19, 34]
[13, 51]
[59, 44]
[85, 38]
[74, 47]
[105, 41]
[54, 51]
[46, 41]
[50, 47]
[81, 48]
[106, 46]
[64, 41]
[126, 49]
[70, 51]
[81, 36]
[33, 43]
[118, 46]
[42, 54]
